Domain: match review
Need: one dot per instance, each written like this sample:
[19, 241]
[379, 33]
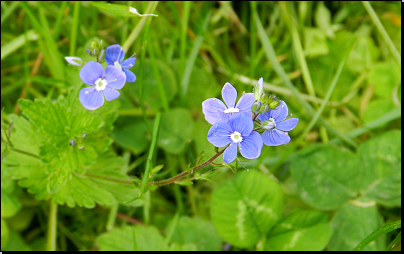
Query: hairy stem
[190, 171]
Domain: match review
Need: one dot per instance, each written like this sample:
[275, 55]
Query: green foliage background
[336, 64]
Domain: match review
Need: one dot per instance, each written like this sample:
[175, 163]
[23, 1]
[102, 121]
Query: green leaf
[315, 43]
[151, 95]
[376, 109]
[121, 239]
[5, 233]
[58, 123]
[245, 208]
[58, 175]
[300, 231]
[327, 177]
[175, 130]
[195, 231]
[118, 10]
[133, 136]
[384, 76]
[381, 157]
[15, 243]
[351, 224]
[9, 205]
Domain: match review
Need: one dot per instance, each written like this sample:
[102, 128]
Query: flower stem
[52, 227]
[192, 170]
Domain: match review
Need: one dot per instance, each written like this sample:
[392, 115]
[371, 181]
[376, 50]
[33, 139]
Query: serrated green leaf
[381, 157]
[58, 123]
[121, 239]
[195, 231]
[300, 231]
[245, 208]
[327, 177]
[352, 224]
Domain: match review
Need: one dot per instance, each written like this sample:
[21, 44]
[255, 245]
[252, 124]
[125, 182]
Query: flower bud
[274, 104]
[74, 60]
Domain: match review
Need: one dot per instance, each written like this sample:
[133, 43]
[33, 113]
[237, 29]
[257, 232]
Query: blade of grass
[135, 32]
[379, 232]
[142, 57]
[386, 118]
[192, 57]
[134, 239]
[59, 18]
[163, 96]
[253, 39]
[16, 43]
[271, 55]
[73, 34]
[382, 31]
[394, 242]
[151, 150]
[318, 112]
[184, 29]
[7, 12]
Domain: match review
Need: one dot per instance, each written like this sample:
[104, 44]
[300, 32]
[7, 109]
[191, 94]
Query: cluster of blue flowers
[233, 124]
[103, 82]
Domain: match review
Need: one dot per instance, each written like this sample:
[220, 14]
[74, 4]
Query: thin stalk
[73, 35]
[190, 171]
[382, 31]
[151, 151]
[142, 57]
[52, 227]
[112, 217]
[56, 28]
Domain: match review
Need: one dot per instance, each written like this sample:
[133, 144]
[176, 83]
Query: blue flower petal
[115, 77]
[90, 72]
[245, 103]
[230, 153]
[264, 116]
[128, 63]
[275, 137]
[213, 110]
[130, 76]
[287, 125]
[219, 134]
[229, 94]
[281, 113]
[110, 94]
[251, 146]
[92, 100]
[241, 123]
[114, 53]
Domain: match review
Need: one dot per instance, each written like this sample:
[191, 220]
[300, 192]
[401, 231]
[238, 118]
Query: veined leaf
[245, 208]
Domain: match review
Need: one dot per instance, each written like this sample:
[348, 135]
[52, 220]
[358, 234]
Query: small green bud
[274, 104]
[254, 107]
[94, 44]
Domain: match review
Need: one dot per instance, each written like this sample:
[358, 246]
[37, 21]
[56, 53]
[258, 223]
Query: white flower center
[100, 84]
[231, 110]
[269, 124]
[117, 64]
[236, 137]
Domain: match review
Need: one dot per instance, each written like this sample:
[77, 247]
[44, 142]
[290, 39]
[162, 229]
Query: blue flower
[238, 131]
[114, 56]
[103, 82]
[276, 126]
[215, 110]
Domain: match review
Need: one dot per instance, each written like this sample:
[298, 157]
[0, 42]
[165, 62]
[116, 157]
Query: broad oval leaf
[245, 208]
[351, 224]
[381, 157]
[300, 231]
[327, 177]
[175, 130]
